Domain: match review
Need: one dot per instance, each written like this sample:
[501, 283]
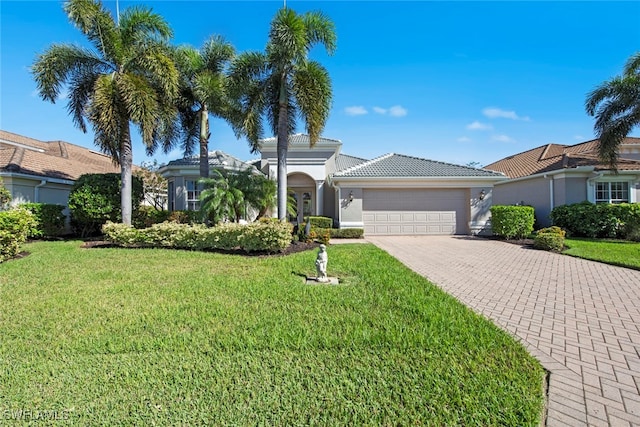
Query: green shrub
[5, 196]
[587, 219]
[320, 221]
[49, 218]
[15, 226]
[146, 216]
[550, 239]
[347, 233]
[512, 221]
[261, 236]
[95, 199]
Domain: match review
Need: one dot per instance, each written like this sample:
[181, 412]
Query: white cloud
[498, 113]
[356, 110]
[398, 111]
[64, 94]
[464, 139]
[502, 138]
[479, 126]
[579, 137]
[380, 110]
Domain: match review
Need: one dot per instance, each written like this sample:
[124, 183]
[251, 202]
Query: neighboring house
[391, 194]
[44, 171]
[554, 175]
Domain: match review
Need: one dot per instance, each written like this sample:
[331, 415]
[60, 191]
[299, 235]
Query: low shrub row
[347, 233]
[262, 236]
[15, 226]
[49, 219]
[587, 219]
[512, 222]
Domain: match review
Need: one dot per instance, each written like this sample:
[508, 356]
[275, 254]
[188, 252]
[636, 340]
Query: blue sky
[453, 81]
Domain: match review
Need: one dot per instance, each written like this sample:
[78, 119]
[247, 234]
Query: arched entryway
[302, 188]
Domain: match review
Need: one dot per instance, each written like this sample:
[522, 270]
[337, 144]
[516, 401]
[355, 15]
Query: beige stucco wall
[351, 212]
[534, 192]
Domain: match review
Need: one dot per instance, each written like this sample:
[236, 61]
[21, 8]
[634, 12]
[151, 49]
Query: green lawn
[144, 336]
[616, 252]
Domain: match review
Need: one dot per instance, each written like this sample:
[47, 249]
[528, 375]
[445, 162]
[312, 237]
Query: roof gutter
[39, 177]
[583, 169]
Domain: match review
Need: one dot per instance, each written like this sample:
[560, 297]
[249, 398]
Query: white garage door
[416, 212]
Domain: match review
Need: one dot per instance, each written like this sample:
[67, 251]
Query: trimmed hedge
[262, 236]
[587, 219]
[15, 226]
[512, 221]
[49, 218]
[347, 233]
[321, 221]
[550, 239]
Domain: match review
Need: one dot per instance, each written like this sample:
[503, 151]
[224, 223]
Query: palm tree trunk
[282, 146]
[126, 164]
[204, 142]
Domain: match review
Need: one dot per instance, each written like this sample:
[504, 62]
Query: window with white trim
[612, 192]
[193, 195]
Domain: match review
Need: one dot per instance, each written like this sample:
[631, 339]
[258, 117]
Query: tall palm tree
[616, 107]
[127, 78]
[202, 93]
[283, 83]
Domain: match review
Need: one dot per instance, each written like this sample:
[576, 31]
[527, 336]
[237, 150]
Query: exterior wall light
[482, 194]
[350, 196]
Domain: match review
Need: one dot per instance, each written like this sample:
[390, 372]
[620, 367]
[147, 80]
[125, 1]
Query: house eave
[416, 182]
[36, 177]
[585, 171]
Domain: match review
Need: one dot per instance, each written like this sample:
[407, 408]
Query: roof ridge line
[367, 163]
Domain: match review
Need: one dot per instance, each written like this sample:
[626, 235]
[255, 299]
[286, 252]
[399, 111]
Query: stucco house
[552, 175]
[391, 194]
[44, 171]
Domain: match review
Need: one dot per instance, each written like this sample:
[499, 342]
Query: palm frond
[320, 29]
[216, 54]
[312, 90]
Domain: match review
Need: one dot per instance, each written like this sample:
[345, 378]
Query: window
[612, 192]
[193, 195]
[171, 189]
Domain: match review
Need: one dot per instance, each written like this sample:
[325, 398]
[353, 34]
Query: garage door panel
[415, 211]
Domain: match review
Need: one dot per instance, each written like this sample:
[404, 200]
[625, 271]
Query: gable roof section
[400, 166]
[552, 157]
[53, 159]
[344, 161]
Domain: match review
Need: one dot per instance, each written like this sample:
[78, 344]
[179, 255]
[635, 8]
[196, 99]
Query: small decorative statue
[321, 264]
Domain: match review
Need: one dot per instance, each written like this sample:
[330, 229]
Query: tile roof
[54, 159]
[551, 157]
[217, 159]
[301, 140]
[398, 165]
[344, 161]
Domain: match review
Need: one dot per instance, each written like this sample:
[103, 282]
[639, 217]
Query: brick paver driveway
[580, 319]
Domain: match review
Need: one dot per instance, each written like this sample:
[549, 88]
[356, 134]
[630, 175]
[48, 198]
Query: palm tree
[283, 83]
[128, 78]
[259, 191]
[221, 198]
[202, 93]
[616, 107]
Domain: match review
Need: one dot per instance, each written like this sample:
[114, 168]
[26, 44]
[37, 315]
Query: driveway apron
[580, 319]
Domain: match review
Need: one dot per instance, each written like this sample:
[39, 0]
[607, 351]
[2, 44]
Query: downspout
[36, 192]
[551, 198]
[339, 206]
